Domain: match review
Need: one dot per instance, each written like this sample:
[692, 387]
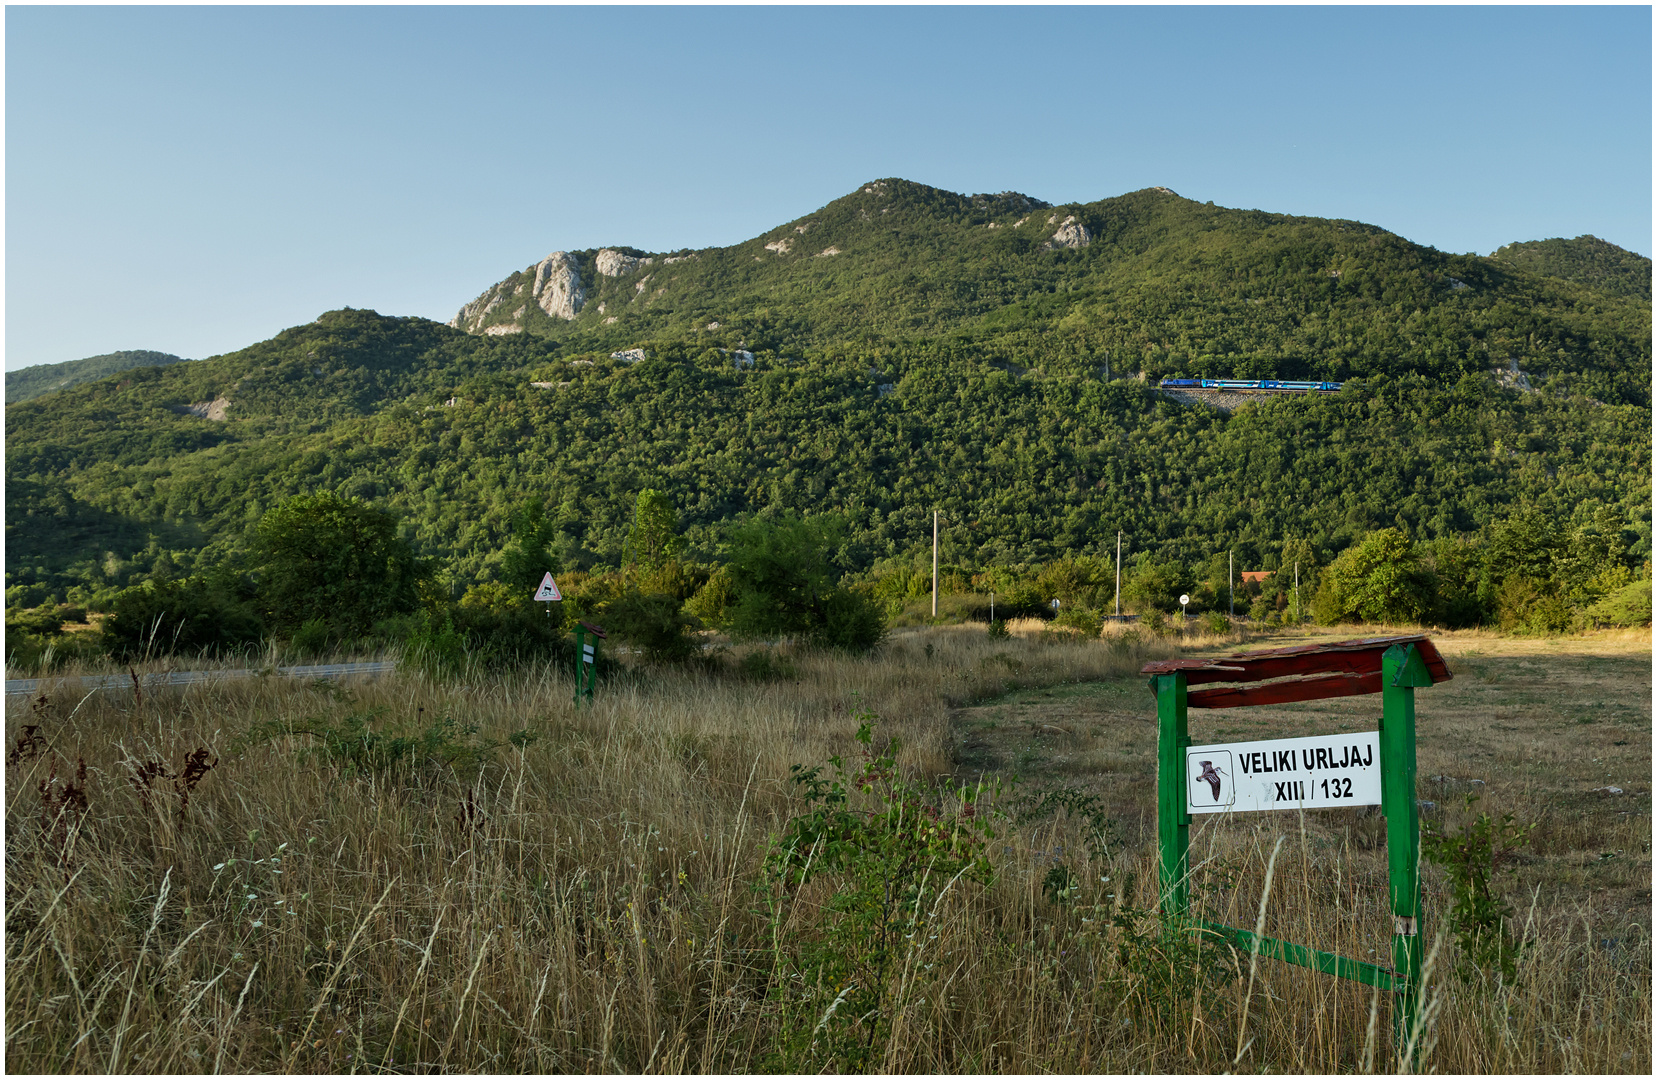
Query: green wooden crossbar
[1316, 959]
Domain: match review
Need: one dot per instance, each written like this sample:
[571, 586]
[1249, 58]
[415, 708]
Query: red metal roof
[1330, 669]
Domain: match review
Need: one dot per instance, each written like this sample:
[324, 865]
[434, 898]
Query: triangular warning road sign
[548, 589]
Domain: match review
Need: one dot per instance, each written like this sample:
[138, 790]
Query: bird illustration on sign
[1208, 773]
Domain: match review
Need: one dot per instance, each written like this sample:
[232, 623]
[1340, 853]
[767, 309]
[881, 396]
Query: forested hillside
[31, 382]
[906, 349]
[1587, 260]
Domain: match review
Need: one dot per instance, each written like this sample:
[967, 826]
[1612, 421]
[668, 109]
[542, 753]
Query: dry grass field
[406, 876]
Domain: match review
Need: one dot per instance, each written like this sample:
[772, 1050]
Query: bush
[494, 627]
[1527, 606]
[1628, 606]
[653, 623]
[763, 665]
[188, 615]
[1478, 914]
[713, 601]
[891, 851]
[323, 557]
[359, 744]
[1080, 619]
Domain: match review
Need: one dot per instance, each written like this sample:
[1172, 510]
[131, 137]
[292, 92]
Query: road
[29, 687]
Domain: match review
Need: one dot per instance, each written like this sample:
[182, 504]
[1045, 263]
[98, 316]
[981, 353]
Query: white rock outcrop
[1511, 378]
[1071, 234]
[210, 410]
[502, 328]
[558, 286]
[629, 356]
[780, 246]
[615, 263]
[471, 317]
[827, 251]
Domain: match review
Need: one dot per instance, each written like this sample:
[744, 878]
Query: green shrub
[1379, 579]
[1079, 618]
[764, 665]
[785, 586]
[654, 623]
[1628, 606]
[1217, 623]
[325, 557]
[188, 615]
[1527, 606]
[891, 850]
[1478, 914]
[312, 637]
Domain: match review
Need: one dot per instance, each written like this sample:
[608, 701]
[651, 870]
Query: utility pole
[1118, 572]
[934, 564]
[1297, 592]
[1230, 582]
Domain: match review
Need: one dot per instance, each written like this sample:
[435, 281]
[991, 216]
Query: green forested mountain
[31, 382]
[900, 350]
[1587, 260]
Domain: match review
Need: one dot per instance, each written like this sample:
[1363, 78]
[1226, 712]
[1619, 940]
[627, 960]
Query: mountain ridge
[933, 362]
[900, 259]
[37, 379]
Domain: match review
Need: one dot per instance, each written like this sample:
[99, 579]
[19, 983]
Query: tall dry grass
[586, 902]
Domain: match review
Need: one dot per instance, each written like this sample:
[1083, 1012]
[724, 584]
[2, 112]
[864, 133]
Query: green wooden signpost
[1393, 667]
[587, 637]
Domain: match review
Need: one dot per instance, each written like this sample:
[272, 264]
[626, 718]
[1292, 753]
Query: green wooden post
[586, 664]
[1173, 823]
[1402, 670]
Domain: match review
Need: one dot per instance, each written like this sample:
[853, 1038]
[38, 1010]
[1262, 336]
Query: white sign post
[1313, 773]
[1184, 599]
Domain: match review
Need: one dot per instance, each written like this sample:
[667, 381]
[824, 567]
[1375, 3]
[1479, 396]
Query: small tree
[335, 559]
[528, 557]
[654, 538]
[1377, 580]
[785, 586]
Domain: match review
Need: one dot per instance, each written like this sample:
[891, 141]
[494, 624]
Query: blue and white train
[1278, 386]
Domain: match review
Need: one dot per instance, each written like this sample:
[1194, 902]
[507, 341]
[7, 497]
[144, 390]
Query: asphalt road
[30, 687]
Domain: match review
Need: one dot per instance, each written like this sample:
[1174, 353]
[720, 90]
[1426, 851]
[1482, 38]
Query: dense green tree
[339, 560]
[529, 557]
[785, 585]
[654, 538]
[1377, 580]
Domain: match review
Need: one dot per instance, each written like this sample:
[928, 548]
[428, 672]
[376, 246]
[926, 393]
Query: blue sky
[196, 179]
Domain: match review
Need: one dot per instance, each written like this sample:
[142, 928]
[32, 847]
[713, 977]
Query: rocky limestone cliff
[558, 286]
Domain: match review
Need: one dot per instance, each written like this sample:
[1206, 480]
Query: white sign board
[548, 589]
[1313, 773]
[1184, 599]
